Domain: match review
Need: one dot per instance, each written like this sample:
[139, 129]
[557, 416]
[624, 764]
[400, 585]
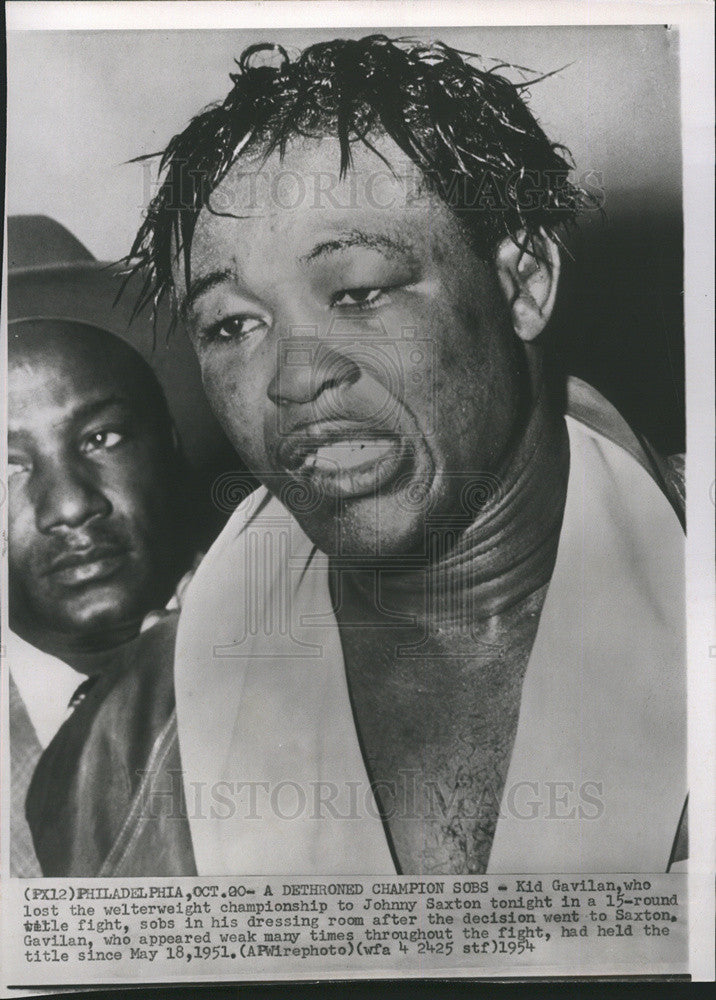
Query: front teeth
[346, 454]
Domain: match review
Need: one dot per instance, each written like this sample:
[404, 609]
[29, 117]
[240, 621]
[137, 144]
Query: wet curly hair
[467, 129]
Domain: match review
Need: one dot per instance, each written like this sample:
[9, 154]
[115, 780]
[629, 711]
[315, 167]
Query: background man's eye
[361, 298]
[101, 440]
[14, 466]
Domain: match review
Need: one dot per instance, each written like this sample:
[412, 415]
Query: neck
[85, 653]
[505, 555]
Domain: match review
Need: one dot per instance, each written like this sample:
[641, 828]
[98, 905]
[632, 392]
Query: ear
[528, 269]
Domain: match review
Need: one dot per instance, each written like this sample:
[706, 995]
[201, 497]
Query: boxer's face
[358, 354]
[89, 545]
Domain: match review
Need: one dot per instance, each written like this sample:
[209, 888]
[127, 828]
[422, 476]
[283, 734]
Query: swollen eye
[237, 326]
[358, 297]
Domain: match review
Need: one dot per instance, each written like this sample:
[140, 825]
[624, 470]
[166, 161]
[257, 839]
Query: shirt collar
[45, 683]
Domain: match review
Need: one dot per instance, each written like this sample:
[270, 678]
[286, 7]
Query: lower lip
[352, 468]
[89, 572]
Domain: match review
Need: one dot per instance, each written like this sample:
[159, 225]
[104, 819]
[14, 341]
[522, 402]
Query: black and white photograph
[345, 498]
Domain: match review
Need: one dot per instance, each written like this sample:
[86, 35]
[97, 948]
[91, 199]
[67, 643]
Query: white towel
[597, 778]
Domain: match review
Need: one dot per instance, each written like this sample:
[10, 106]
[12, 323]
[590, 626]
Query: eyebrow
[353, 238]
[81, 414]
[359, 238]
[202, 285]
[96, 406]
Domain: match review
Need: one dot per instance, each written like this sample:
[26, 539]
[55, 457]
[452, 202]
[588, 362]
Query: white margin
[695, 19]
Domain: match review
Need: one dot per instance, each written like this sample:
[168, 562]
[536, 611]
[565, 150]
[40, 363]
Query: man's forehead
[64, 369]
[75, 363]
[37, 383]
[312, 167]
[61, 379]
[302, 199]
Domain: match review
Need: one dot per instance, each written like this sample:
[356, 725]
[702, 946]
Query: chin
[106, 610]
[370, 530]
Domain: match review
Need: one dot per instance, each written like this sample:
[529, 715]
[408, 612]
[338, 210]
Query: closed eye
[359, 298]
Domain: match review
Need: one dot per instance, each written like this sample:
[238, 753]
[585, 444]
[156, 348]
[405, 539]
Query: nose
[65, 495]
[306, 369]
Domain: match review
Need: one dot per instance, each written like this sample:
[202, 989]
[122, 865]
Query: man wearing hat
[98, 503]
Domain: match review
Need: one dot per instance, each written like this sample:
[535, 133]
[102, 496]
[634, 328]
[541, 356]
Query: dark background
[618, 322]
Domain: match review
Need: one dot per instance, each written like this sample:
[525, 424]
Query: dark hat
[52, 275]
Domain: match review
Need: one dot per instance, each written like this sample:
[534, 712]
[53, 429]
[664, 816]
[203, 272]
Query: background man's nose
[66, 496]
[306, 369]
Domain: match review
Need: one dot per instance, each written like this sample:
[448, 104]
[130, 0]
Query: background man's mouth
[77, 568]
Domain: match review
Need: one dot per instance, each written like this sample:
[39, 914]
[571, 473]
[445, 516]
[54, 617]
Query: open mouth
[343, 462]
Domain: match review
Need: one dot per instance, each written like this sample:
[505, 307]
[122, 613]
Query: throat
[435, 658]
[507, 553]
[436, 713]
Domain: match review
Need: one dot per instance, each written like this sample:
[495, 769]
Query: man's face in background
[90, 548]
[358, 354]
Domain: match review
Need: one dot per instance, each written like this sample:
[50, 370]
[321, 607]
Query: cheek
[474, 381]
[21, 529]
[138, 493]
[457, 356]
[236, 397]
